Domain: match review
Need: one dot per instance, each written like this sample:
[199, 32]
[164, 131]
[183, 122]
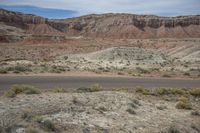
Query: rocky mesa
[126, 26]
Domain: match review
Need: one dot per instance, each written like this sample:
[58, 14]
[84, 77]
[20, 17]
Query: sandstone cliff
[106, 25]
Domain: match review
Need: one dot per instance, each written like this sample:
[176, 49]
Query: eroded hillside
[102, 26]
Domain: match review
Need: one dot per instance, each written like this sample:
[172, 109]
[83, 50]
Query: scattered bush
[59, 90]
[142, 91]
[135, 101]
[162, 91]
[19, 68]
[195, 113]
[120, 73]
[83, 89]
[17, 89]
[166, 75]
[131, 111]
[195, 92]
[167, 91]
[132, 105]
[38, 119]
[195, 127]
[57, 69]
[10, 93]
[96, 87]
[183, 103]
[32, 130]
[142, 70]
[102, 109]
[178, 91]
[3, 71]
[48, 125]
[161, 107]
[27, 114]
[93, 88]
[173, 129]
[186, 74]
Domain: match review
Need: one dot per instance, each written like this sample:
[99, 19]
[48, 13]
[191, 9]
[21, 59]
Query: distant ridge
[110, 25]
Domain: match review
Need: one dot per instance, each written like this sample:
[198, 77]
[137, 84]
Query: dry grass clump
[173, 129]
[32, 130]
[57, 69]
[3, 71]
[18, 69]
[38, 119]
[162, 91]
[17, 89]
[93, 88]
[131, 111]
[195, 113]
[183, 103]
[59, 90]
[195, 92]
[142, 91]
[48, 125]
[27, 114]
[166, 76]
[143, 71]
[161, 107]
[167, 91]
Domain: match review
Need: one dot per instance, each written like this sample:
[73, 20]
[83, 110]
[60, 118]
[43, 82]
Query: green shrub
[84, 89]
[142, 70]
[195, 92]
[38, 119]
[102, 109]
[186, 74]
[183, 103]
[10, 93]
[17, 89]
[48, 125]
[21, 68]
[178, 91]
[131, 111]
[120, 73]
[166, 75]
[96, 87]
[142, 91]
[161, 107]
[59, 90]
[133, 105]
[195, 113]
[162, 91]
[173, 129]
[32, 130]
[57, 69]
[15, 69]
[93, 88]
[3, 71]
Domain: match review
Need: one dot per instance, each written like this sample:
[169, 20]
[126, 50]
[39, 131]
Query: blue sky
[72, 8]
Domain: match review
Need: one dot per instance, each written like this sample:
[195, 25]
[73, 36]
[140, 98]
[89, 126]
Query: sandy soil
[101, 112]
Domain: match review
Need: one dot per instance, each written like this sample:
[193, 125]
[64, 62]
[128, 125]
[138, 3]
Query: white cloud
[159, 7]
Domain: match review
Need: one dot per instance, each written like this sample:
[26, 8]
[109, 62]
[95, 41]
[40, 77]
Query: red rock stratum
[127, 26]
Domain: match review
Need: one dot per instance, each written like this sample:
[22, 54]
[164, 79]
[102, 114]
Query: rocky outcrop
[16, 17]
[107, 25]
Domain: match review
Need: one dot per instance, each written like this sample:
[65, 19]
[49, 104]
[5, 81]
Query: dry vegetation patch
[18, 89]
[100, 110]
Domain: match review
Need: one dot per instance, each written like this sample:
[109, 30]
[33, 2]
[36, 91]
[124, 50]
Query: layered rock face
[19, 18]
[107, 25]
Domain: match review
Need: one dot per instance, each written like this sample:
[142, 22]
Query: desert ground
[147, 70]
[94, 109]
[133, 57]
